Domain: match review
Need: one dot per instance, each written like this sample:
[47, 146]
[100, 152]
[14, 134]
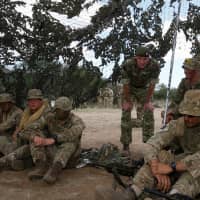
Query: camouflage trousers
[145, 118]
[108, 102]
[7, 145]
[66, 154]
[186, 183]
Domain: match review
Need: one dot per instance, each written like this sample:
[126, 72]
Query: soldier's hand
[163, 182]
[14, 136]
[38, 141]
[49, 141]
[169, 118]
[127, 106]
[161, 168]
[148, 106]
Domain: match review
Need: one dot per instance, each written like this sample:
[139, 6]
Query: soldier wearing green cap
[10, 117]
[191, 68]
[139, 76]
[160, 164]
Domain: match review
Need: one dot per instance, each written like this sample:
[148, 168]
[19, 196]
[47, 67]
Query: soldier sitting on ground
[65, 138]
[9, 119]
[191, 68]
[62, 147]
[160, 164]
[31, 127]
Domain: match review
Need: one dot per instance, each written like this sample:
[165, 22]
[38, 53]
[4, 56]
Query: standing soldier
[100, 97]
[191, 68]
[140, 74]
[108, 97]
[9, 119]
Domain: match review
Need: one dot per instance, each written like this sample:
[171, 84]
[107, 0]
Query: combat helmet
[6, 97]
[142, 51]
[191, 103]
[63, 103]
[34, 94]
[192, 63]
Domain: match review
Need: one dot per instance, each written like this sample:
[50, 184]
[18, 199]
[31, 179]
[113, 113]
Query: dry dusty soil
[103, 126]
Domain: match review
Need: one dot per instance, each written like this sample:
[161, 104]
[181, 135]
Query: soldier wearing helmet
[191, 68]
[161, 164]
[10, 117]
[65, 130]
[139, 76]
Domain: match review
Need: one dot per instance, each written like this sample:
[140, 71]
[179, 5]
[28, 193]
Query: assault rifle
[153, 192]
[114, 166]
[120, 168]
[166, 196]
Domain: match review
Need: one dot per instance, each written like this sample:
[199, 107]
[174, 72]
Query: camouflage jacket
[39, 126]
[10, 120]
[140, 78]
[183, 87]
[189, 141]
[69, 130]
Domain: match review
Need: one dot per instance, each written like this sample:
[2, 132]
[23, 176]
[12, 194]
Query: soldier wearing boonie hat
[191, 68]
[34, 94]
[10, 117]
[161, 164]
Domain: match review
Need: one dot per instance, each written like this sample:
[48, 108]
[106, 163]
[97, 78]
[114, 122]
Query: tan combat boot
[52, 174]
[10, 162]
[39, 171]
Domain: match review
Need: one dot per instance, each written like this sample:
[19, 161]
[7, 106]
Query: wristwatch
[173, 166]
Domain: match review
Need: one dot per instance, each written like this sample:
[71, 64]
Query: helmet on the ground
[191, 103]
[63, 103]
[6, 97]
[34, 94]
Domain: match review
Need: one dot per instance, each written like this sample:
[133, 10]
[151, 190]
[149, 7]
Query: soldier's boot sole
[52, 175]
[36, 174]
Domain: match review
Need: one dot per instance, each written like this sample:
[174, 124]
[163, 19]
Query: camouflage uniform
[107, 97]
[100, 97]
[139, 81]
[35, 125]
[188, 182]
[184, 85]
[67, 134]
[8, 123]
[189, 139]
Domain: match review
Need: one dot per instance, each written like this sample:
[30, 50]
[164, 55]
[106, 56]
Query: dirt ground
[102, 126]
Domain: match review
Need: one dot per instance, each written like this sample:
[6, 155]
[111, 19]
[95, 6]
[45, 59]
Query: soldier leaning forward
[140, 74]
[10, 117]
[161, 164]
